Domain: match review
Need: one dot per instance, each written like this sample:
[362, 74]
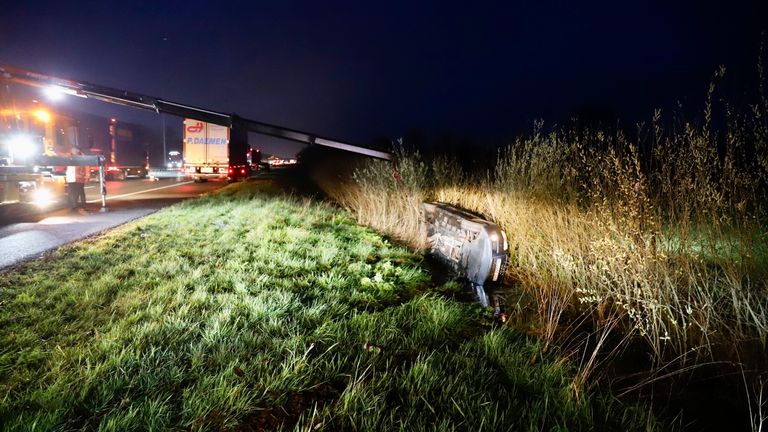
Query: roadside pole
[102, 186]
[165, 154]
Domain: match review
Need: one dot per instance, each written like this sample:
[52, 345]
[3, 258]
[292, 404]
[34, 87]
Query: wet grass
[252, 310]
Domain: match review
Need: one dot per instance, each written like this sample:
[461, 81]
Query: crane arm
[137, 100]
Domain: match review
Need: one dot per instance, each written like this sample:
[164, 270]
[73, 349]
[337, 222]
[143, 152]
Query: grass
[664, 233]
[251, 310]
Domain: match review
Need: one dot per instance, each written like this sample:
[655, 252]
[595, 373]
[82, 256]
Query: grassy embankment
[251, 310]
[662, 237]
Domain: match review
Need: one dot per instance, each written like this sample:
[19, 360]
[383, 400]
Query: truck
[174, 160]
[127, 157]
[37, 145]
[206, 153]
[26, 133]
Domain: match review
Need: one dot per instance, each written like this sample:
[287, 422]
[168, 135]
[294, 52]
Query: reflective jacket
[77, 174]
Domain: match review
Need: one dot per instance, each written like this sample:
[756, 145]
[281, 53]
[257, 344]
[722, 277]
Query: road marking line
[141, 192]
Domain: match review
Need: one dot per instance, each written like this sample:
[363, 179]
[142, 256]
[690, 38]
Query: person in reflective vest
[76, 178]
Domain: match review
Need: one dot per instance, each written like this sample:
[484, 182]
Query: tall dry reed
[667, 229]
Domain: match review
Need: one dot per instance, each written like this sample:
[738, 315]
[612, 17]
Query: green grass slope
[252, 310]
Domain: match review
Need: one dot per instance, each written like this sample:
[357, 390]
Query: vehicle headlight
[42, 197]
[21, 147]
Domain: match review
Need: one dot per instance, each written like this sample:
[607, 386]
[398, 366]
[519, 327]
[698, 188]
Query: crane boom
[150, 103]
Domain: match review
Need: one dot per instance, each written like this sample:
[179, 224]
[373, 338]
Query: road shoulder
[22, 241]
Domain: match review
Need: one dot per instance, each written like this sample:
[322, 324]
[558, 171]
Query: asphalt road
[147, 192]
[126, 200]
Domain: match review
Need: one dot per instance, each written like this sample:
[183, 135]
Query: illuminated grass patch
[251, 310]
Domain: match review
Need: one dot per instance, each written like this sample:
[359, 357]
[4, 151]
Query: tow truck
[239, 126]
[28, 133]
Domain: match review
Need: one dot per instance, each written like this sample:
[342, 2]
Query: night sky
[360, 70]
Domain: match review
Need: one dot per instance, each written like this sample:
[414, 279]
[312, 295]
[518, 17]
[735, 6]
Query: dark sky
[357, 70]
